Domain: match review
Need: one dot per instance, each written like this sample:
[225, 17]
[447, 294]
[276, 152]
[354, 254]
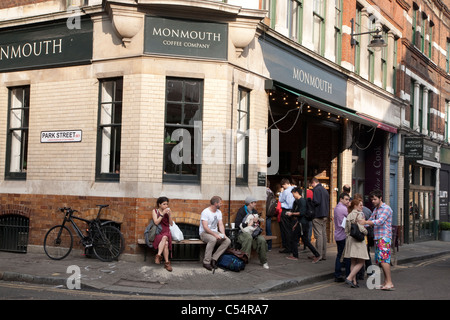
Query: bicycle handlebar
[64, 209]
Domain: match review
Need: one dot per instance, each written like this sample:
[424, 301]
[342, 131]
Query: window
[414, 24]
[295, 16]
[430, 40]
[319, 26]
[411, 105]
[338, 31]
[242, 137]
[421, 106]
[358, 39]
[370, 65]
[109, 130]
[384, 56]
[447, 116]
[394, 67]
[270, 6]
[17, 134]
[182, 156]
[423, 32]
[447, 57]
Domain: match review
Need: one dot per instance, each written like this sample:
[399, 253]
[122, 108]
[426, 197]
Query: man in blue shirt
[287, 202]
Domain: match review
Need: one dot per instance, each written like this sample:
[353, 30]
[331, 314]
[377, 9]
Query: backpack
[230, 262]
[271, 205]
[150, 233]
[310, 210]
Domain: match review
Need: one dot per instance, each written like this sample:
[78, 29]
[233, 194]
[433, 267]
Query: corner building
[97, 95]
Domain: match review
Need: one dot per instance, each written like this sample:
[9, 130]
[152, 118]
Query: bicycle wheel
[58, 242]
[108, 243]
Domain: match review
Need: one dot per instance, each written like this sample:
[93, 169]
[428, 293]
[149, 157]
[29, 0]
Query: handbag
[176, 233]
[257, 232]
[356, 233]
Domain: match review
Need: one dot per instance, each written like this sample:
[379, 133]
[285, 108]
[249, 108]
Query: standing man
[287, 202]
[321, 200]
[381, 220]
[340, 213]
[246, 240]
[212, 231]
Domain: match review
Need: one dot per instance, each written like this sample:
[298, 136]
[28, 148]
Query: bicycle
[105, 240]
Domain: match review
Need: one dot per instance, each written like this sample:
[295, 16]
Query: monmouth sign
[44, 45]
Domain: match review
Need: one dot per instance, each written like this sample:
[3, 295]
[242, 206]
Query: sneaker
[292, 258]
[316, 259]
[266, 265]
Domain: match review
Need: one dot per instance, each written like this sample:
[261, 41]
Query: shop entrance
[309, 146]
[421, 196]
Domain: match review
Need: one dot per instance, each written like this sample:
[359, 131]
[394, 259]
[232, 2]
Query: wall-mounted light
[377, 40]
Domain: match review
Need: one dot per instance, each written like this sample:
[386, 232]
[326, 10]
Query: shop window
[242, 137]
[109, 130]
[183, 116]
[17, 135]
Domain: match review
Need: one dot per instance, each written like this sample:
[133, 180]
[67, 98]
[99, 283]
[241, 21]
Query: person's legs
[260, 245]
[383, 257]
[210, 244]
[224, 244]
[245, 239]
[356, 265]
[269, 232]
[337, 265]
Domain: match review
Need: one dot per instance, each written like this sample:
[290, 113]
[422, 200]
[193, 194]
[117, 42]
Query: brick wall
[135, 213]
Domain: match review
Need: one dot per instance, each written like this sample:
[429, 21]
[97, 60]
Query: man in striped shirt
[381, 220]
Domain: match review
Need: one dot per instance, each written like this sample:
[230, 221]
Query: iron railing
[14, 231]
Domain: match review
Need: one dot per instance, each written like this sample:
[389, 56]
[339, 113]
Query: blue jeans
[338, 265]
[269, 232]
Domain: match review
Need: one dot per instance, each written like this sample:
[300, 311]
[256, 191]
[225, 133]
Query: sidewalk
[189, 278]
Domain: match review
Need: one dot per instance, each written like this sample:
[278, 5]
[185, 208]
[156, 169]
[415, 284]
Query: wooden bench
[200, 243]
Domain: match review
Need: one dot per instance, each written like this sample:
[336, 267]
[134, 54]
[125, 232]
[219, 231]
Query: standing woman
[163, 240]
[354, 249]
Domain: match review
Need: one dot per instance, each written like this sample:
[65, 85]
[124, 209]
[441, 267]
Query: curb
[23, 277]
[268, 286]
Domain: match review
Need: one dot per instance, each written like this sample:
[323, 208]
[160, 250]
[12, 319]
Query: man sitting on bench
[212, 231]
[246, 240]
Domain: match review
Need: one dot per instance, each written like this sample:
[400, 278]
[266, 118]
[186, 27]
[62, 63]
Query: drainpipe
[230, 151]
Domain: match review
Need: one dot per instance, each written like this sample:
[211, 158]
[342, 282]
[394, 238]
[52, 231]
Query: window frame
[179, 177]
[321, 16]
[99, 175]
[245, 135]
[338, 31]
[24, 128]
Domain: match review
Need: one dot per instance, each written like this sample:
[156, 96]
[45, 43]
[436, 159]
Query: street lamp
[377, 40]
